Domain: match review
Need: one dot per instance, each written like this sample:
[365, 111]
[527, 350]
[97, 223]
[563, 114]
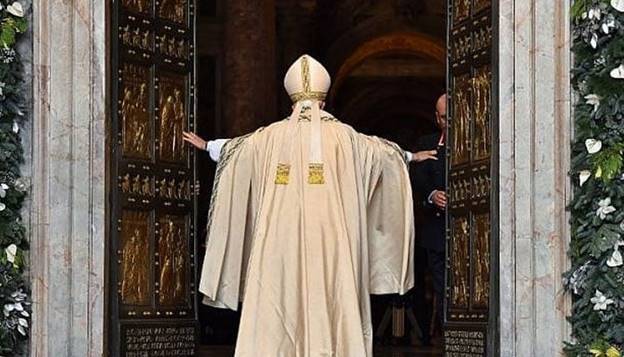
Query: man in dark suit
[430, 181]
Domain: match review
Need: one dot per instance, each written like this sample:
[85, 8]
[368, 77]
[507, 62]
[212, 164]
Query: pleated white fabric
[304, 257]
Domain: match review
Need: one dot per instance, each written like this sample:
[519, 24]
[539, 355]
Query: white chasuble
[304, 257]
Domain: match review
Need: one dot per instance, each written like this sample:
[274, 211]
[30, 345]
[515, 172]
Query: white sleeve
[407, 155]
[214, 148]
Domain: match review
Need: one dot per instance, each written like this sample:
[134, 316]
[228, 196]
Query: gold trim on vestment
[282, 175]
[315, 174]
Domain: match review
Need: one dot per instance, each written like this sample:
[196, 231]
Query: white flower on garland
[600, 301]
[2, 84]
[11, 253]
[584, 176]
[593, 145]
[22, 326]
[8, 308]
[618, 5]
[594, 41]
[616, 258]
[2, 206]
[15, 127]
[16, 9]
[594, 13]
[618, 72]
[3, 188]
[21, 184]
[593, 99]
[604, 208]
[608, 24]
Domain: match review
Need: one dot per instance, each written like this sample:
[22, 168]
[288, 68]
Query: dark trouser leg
[437, 266]
[422, 309]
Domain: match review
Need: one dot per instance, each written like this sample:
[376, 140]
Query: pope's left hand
[424, 155]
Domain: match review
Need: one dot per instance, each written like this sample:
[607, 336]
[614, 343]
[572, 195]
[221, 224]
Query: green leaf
[7, 36]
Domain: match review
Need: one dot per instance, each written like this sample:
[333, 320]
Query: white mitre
[307, 79]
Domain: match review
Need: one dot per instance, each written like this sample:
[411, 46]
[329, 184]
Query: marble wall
[68, 166]
[535, 129]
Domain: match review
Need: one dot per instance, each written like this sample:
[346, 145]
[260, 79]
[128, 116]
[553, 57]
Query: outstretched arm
[421, 156]
[212, 146]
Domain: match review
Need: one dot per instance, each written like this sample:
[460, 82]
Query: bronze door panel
[153, 306]
[470, 309]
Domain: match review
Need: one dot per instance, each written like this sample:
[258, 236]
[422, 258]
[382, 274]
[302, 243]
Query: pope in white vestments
[307, 219]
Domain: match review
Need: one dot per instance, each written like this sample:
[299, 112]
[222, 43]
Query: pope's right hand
[194, 140]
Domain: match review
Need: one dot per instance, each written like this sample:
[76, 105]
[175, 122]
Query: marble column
[535, 130]
[249, 96]
[68, 214]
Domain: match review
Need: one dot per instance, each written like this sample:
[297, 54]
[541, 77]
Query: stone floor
[228, 351]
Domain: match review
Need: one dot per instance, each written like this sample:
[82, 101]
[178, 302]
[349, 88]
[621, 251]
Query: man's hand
[438, 198]
[194, 140]
[424, 155]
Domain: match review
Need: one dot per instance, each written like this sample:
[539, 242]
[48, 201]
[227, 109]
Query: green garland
[14, 294]
[596, 278]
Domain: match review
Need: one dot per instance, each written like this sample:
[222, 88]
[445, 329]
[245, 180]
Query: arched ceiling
[386, 58]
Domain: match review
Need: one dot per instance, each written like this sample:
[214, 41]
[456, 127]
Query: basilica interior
[387, 62]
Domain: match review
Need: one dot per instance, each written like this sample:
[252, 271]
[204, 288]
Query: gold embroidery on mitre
[320, 96]
[283, 173]
[315, 174]
[305, 74]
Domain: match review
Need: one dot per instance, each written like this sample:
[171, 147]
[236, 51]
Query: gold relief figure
[181, 49]
[166, 255]
[482, 260]
[173, 255]
[135, 111]
[171, 189]
[461, 120]
[134, 264]
[482, 4]
[171, 47]
[182, 190]
[181, 251]
[174, 10]
[172, 119]
[139, 142]
[460, 269]
[162, 188]
[137, 5]
[125, 184]
[461, 10]
[136, 38]
[125, 35]
[167, 118]
[147, 187]
[127, 115]
[481, 90]
[180, 10]
[146, 41]
[179, 126]
[162, 44]
[136, 184]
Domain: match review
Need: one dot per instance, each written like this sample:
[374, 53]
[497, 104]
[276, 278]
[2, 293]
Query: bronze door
[471, 297]
[152, 299]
